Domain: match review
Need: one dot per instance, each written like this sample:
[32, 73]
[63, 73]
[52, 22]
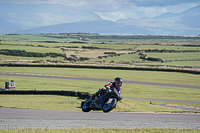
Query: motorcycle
[105, 101]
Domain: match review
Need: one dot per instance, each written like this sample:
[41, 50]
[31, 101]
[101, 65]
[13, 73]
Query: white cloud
[136, 12]
[116, 9]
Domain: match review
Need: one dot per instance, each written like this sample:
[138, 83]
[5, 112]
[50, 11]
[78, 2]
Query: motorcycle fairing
[102, 98]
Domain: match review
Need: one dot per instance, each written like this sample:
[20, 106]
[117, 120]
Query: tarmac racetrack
[12, 118]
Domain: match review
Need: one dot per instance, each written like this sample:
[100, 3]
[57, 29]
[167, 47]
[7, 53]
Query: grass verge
[129, 90]
[49, 102]
[133, 75]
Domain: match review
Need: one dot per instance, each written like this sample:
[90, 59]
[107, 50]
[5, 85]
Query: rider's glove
[120, 96]
[107, 87]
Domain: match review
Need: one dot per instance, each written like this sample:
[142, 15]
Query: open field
[91, 49]
[115, 46]
[42, 44]
[172, 51]
[91, 53]
[95, 38]
[175, 63]
[20, 59]
[32, 49]
[132, 75]
[176, 56]
[168, 47]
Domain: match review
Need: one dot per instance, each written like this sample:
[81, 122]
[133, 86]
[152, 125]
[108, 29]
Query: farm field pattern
[80, 48]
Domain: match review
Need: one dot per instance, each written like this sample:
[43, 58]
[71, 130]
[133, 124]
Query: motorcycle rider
[117, 83]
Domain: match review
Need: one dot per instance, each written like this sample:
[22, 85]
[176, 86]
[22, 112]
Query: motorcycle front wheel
[86, 105]
[109, 104]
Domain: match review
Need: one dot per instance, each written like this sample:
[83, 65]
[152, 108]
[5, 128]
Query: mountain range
[35, 19]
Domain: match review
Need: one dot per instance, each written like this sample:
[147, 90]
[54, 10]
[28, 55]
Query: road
[12, 118]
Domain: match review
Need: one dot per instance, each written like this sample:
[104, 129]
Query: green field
[176, 56]
[27, 38]
[129, 90]
[190, 64]
[90, 49]
[94, 38]
[133, 75]
[177, 52]
[32, 49]
[168, 47]
[44, 44]
[115, 46]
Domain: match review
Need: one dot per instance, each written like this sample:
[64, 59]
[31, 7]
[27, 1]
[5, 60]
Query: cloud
[104, 4]
[24, 1]
[116, 9]
[136, 12]
[148, 3]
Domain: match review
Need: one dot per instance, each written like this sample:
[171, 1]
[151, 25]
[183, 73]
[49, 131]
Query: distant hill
[34, 19]
[188, 18]
[184, 23]
[97, 26]
[191, 17]
[7, 27]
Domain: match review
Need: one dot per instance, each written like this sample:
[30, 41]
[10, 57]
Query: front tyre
[109, 104]
[86, 105]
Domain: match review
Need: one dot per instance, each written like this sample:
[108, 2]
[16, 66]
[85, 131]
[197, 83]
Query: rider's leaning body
[117, 83]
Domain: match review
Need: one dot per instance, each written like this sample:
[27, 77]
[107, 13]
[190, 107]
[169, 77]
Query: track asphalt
[12, 118]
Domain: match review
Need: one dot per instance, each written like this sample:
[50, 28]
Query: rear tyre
[109, 104]
[86, 106]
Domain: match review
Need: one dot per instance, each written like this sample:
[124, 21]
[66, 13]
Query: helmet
[118, 81]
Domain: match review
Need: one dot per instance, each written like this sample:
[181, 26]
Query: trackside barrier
[81, 95]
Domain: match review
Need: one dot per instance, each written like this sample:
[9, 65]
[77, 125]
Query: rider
[117, 83]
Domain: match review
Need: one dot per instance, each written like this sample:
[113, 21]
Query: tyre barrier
[81, 95]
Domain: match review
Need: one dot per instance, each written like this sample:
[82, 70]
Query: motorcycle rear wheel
[86, 106]
[108, 106]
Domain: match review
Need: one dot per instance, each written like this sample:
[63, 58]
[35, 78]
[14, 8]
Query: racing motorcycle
[106, 100]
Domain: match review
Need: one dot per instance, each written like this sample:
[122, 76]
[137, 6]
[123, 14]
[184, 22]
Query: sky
[119, 9]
